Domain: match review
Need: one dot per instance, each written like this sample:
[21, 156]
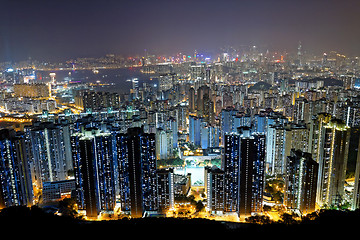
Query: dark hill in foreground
[326, 223]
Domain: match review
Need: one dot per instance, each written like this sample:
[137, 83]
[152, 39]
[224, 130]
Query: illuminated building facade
[48, 152]
[165, 189]
[15, 176]
[54, 191]
[36, 90]
[137, 171]
[356, 194]
[275, 155]
[281, 137]
[94, 171]
[166, 81]
[231, 167]
[259, 123]
[333, 155]
[214, 188]
[100, 100]
[316, 133]
[252, 175]
[243, 176]
[209, 136]
[195, 130]
[227, 119]
[164, 144]
[192, 100]
[300, 182]
[173, 122]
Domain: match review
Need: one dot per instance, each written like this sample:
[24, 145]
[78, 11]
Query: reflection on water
[117, 76]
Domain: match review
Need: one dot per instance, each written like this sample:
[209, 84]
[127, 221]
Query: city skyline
[239, 111]
[60, 30]
[232, 138]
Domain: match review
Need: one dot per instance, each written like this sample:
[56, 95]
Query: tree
[68, 207]
[310, 217]
[278, 197]
[269, 188]
[199, 206]
[289, 219]
[258, 219]
[267, 208]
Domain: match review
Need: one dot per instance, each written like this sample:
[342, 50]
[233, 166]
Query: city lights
[209, 125]
[197, 123]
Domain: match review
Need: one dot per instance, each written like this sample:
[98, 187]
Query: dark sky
[58, 30]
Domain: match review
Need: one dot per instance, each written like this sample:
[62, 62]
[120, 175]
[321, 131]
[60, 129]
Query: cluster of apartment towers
[106, 163]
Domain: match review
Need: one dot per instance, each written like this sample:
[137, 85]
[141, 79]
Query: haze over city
[59, 30]
[232, 116]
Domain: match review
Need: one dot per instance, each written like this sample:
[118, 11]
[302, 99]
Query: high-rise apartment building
[300, 182]
[15, 176]
[231, 167]
[36, 90]
[137, 171]
[100, 100]
[252, 175]
[94, 170]
[244, 173]
[192, 100]
[316, 133]
[195, 130]
[164, 144]
[227, 119]
[166, 81]
[165, 189]
[356, 194]
[214, 188]
[209, 136]
[332, 158]
[275, 152]
[281, 137]
[50, 158]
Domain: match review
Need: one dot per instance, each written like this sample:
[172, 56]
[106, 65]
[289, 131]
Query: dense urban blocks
[246, 137]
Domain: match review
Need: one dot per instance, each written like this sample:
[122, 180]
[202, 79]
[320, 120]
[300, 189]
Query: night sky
[59, 30]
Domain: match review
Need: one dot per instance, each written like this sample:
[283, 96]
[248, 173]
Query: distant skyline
[58, 30]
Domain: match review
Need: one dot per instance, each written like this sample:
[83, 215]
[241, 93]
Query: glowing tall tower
[333, 155]
[52, 77]
[300, 54]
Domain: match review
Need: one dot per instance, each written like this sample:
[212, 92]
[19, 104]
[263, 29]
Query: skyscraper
[174, 130]
[244, 173]
[209, 136]
[281, 137]
[214, 188]
[276, 148]
[165, 189]
[48, 152]
[252, 175]
[316, 133]
[164, 144]
[333, 154]
[94, 171]
[227, 119]
[100, 100]
[191, 100]
[203, 99]
[300, 55]
[300, 182]
[195, 130]
[231, 167]
[356, 195]
[137, 171]
[15, 179]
